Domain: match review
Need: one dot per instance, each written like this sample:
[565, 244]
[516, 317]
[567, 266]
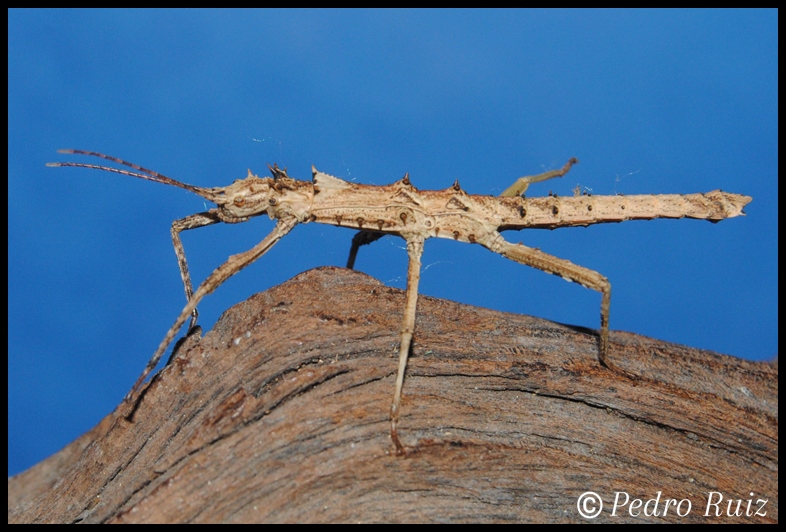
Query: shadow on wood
[281, 414]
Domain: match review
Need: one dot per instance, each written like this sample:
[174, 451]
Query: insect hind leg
[522, 183]
[565, 269]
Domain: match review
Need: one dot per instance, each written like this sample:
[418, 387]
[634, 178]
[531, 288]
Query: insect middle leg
[190, 222]
[565, 269]
[361, 238]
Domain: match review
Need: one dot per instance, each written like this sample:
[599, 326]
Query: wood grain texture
[280, 414]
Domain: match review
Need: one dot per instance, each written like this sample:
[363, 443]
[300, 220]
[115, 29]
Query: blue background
[649, 101]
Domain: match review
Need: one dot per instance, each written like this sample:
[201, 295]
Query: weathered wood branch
[281, 414]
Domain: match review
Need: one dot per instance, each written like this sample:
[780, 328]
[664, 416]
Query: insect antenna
[150, 175]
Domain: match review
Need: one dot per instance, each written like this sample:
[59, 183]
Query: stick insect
[414, 215]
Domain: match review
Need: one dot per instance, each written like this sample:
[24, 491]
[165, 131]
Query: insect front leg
[415, 251]
[190, 222]
[565, 269]
[234, 264]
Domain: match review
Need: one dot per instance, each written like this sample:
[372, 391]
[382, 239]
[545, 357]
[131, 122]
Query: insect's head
[247, 197]
[278, 195]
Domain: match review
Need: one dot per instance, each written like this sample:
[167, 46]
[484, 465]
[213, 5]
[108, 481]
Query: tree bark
[280, 414]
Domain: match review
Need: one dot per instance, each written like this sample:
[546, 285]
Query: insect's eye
[239, 202]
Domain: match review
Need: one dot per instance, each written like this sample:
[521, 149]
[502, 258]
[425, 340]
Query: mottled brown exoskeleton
[414, 215]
